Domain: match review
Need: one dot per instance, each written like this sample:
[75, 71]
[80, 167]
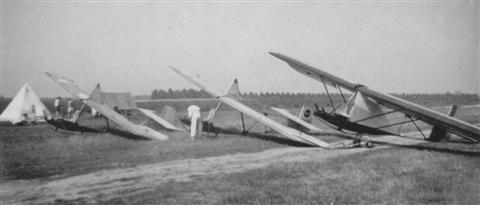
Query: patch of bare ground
[124, 182]
[381, 176]
[107, 184]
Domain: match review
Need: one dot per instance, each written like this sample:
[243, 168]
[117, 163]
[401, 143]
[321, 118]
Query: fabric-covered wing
[427, 115]
[124, 122]
[294, 118]
[286, 131]
[151, 114]
[453, 125]
[317, 74]
[68, 85]
[198, 84]
[123, 101]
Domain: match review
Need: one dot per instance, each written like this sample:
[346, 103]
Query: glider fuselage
[343, 123]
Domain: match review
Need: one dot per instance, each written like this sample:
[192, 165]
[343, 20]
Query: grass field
[388, 176]
[39, 152]
[433, 173]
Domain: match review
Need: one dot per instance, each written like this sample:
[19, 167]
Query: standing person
[69, 108]
[196, 122]
[57, 106]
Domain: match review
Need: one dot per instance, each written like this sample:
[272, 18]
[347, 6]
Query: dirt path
[107, 184]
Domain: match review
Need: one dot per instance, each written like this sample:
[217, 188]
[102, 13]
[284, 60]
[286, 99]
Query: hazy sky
[127, 46]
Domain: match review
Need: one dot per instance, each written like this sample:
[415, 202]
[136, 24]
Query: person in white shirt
[56, 104]
[196, 122]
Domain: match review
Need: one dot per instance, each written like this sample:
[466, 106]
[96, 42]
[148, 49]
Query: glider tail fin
[170, 115]
[234, 91]
[305, 114]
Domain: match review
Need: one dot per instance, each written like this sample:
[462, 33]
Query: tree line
[192, 93]
[297, 99]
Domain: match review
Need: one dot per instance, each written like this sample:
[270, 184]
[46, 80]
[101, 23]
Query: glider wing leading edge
[286, 131]
[296, 119]
[77, 92]
[151, 114]
[427, 115]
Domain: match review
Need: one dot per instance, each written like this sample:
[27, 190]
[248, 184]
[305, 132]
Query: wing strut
[81, 110]
[401, 125]
[106, 121]
[418, 128]
[328, 94]
[244, 132]
[253, 125]
[398, 123]
[341, 93]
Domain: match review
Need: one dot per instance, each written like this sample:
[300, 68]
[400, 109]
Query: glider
[77, 92]
[366, 109]
[286, 131]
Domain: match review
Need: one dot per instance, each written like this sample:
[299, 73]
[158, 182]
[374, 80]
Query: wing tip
[282, 57]
[278, 55]
[173, 68]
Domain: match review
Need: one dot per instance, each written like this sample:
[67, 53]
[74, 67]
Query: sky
[395, 47]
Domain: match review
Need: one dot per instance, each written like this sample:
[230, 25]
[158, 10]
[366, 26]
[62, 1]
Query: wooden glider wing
[453, 125]
[68, 85]
[106, 111]
[296, 119]
[151, 114]
[286, 131]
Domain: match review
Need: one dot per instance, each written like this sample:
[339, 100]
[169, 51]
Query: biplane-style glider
[286, 131]
[366, 110]
[77, 92]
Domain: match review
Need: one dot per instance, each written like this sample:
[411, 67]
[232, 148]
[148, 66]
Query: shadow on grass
[455, 146]
[276, 139]
[210, 128]
[126, 135]
[436, 147]
[79, 129]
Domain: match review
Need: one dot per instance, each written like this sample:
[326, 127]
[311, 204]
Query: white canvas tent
[25, 106]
